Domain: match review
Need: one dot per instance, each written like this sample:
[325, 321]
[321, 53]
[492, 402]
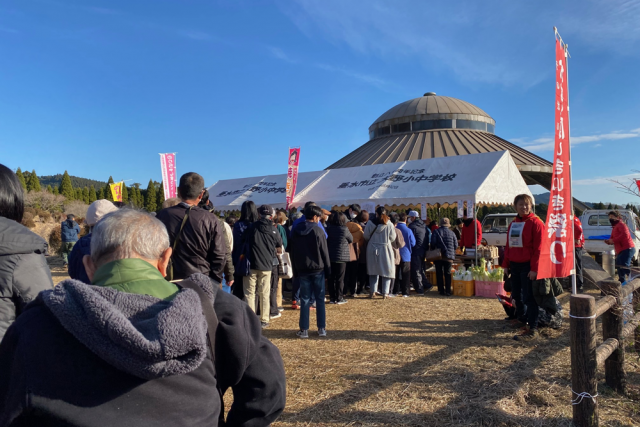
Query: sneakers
[322, 332]
[303, 334]
[312, 306]
[333, 302]
[275, 316]
[264, 325]
[280, 309]
[391, 295]
[527, 335]
[295, 306]
[405, 296]
[341, 301]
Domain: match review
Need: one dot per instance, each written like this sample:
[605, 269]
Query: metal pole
[574, 285]
[475, 227]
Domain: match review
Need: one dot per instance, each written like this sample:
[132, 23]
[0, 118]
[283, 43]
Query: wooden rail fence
[586, 357]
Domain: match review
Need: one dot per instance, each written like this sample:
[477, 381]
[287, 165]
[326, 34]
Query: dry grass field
[431, 361]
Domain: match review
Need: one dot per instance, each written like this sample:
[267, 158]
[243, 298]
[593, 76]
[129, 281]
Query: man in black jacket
[132, 348]
[423, 238]
[310, 262]
[263, 238]
[201, 247]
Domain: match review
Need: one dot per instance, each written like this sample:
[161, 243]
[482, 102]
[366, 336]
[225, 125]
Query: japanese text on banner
[168, 166]
[292, 175]
[116, 191]
[556, 256]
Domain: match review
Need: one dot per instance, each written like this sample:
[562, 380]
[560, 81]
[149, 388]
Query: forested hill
[76, 182]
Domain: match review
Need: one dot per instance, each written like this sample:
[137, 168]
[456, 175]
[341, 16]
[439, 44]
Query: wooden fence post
[583, 360]
[612, 324]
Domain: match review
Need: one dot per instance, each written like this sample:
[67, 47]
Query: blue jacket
[76, 267]
[303, 219]
[69, 232]
[409, 242]
[445, 240]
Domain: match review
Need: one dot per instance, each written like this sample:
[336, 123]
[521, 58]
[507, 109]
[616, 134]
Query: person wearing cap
[263, 239]
[96, 211]
[422, 236]
[445, 240]
[69, 233]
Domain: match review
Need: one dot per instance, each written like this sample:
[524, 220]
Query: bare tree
[630, 187]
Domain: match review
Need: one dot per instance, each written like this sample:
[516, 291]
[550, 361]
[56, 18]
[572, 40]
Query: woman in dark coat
[338, 243]
[23, 269]
[248, 215]
[445, 240]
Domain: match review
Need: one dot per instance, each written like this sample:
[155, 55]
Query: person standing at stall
[444, 239]
[521, 257]
[338, 243]
[469, 231]
[622, 243]
[380, 235]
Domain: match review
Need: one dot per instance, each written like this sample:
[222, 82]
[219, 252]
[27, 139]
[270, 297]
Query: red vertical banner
[638, 184]
[556, 256]
[168, 166]
[292, 174]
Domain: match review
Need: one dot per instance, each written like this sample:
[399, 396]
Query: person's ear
[163, 261]
[89, 266]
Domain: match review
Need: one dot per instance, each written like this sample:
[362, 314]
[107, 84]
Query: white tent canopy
[229, 194]
[487, 178]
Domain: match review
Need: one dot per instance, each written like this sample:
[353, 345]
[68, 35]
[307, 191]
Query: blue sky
[100, 88]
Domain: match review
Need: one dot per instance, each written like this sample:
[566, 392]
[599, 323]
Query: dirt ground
[430, 361]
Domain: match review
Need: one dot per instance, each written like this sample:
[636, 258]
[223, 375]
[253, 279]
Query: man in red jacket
[469, 231]
[521, 257]
[578, 236]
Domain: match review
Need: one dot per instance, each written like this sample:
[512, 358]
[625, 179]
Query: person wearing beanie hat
[97, 210]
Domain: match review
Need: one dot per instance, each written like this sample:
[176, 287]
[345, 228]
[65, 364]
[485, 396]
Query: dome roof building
[440, 126]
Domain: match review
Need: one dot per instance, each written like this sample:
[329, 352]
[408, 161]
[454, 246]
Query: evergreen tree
[101, 194]
[49, 189]
[150, 200]
[160, 196]
[21, 179]
[78, 193]
[125, 194]
[107, 190]
[66, 189]
[609, 207]
[56, 191]
[85, 195]
[33, 183]
[92, 194]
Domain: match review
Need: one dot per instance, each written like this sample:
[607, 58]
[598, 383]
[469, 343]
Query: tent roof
[488, 178]
[229, 194]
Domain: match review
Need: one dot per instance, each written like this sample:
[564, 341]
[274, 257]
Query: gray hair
[128, 233]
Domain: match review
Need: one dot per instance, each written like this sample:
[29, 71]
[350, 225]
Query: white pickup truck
[597, 228]
[495, 227]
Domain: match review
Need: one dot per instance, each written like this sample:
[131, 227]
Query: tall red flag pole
[574, 286]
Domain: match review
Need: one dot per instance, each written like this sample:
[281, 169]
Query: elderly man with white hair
[133, 349]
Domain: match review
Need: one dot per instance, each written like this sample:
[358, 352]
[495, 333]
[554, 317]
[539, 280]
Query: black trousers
[336, 281]
[351, 278]
[273, 292]
[400, 285]
[418, 277]
[579, 276]
[443, 275]
[237, 289]
[363, 277]
[522, 293]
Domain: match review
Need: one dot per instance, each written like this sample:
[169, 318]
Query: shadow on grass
[475, 392]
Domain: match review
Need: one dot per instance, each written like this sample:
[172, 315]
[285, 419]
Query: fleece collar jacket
[134, 276]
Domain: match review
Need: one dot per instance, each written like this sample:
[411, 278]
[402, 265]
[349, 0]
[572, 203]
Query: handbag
[435, 254]
[354, 252]
[169, 275]
[285, 271]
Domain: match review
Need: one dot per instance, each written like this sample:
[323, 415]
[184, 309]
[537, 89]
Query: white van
[495, 228]
[597, 228]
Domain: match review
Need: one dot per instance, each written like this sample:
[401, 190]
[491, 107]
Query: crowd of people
[144, 331]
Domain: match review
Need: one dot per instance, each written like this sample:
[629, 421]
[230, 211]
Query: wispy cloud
[278, 53]
[546, 143]
[606, 180]
[196, 35]
[8, 30]
[366, 78]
